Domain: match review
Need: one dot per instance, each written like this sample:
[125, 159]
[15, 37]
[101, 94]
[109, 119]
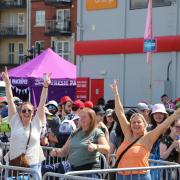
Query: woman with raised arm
[138, 154]
[26, 127]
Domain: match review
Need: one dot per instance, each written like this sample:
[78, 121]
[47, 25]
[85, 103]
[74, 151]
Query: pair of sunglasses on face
[51, 107]
[29, 111]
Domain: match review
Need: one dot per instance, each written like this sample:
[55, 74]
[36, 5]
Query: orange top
[136, 156]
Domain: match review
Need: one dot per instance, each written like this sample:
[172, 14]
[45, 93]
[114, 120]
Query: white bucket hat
[52, 102]
[158, 108]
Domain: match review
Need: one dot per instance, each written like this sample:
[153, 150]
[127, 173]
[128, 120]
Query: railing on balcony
[9, 31]
[54, 28]
[58, 2]
[13, 4]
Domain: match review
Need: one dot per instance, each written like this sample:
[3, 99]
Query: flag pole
[150, 77]
[148, 35]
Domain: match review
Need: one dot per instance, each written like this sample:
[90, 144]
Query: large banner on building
[100, 4]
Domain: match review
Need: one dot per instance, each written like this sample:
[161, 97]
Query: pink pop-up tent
[29, 76]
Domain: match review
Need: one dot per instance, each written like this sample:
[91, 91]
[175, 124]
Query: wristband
[45, 87]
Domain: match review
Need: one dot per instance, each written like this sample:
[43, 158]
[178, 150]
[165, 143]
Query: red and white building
[110, 46]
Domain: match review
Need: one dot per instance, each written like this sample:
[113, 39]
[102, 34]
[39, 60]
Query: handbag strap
[29, 137]
[121, 155]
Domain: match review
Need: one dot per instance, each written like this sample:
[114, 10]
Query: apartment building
[29, 26]
[53, 24]
[13, 32]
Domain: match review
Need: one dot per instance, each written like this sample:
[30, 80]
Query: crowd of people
[81, 131]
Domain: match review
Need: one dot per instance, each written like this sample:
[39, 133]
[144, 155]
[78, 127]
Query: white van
[2, 88]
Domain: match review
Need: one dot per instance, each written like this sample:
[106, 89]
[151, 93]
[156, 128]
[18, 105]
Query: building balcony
[12, 31]
[58, 2]
[55, 28]
[4, 4]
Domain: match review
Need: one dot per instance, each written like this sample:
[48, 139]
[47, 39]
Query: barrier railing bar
[121, 169]
[66, 176]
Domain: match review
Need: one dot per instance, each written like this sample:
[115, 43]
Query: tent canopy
[28, 77]
[47, 62]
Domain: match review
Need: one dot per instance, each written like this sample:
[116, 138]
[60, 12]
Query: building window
[21, 53]
[40, 18]
[63, 19]
[140, 4]
[63, 49]
[11, 53]
[39, 47]
[21, 23]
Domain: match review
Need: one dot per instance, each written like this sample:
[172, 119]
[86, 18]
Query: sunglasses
[51, 107]
[26, 111]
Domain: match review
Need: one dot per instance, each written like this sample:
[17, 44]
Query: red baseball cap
[89, 104]
[65, 99]
[78, 103]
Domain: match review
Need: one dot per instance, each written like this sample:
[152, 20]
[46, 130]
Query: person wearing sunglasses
[53, 122]
[26, 124]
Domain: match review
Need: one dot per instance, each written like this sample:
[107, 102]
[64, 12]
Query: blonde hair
[141, 116]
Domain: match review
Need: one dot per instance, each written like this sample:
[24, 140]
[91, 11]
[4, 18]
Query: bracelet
[45, 87]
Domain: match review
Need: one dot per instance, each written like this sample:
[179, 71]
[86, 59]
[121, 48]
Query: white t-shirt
[19, 138]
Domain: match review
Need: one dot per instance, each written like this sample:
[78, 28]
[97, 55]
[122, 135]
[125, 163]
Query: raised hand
[5, 76]
[118, 104]
[114, 87]
[47, 79]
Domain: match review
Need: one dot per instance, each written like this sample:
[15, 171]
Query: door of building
[97, 89]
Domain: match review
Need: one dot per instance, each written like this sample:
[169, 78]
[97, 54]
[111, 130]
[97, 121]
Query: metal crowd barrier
[53, 160]
[152, 162]
[17, 173]
[49, 159]
[161, 162]
[4, 146]
[53, 176]
[170, 172]
[46, 150]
